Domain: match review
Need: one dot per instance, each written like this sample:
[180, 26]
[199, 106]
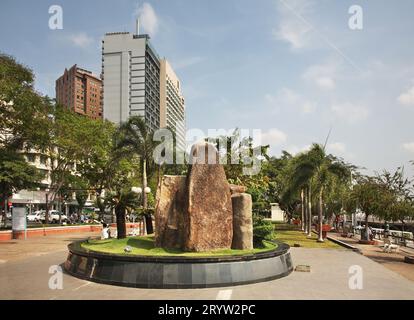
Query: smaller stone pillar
[242, 221]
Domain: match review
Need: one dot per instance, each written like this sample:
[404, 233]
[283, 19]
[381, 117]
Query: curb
[343, 244]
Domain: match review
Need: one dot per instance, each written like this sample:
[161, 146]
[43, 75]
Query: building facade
[80, 91]
[131, 78]
[172, 104]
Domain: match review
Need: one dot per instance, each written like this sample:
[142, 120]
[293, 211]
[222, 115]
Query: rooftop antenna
[137, 26]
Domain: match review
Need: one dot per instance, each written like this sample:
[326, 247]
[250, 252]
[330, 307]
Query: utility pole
[47, 208]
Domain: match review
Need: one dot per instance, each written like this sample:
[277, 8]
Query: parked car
[35, 216]
[54, 216]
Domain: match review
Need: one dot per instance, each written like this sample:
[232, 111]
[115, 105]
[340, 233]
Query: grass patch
[145, 246]
[291, 237]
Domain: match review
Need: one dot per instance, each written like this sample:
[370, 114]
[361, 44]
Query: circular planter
[409, 259]
[171, 272]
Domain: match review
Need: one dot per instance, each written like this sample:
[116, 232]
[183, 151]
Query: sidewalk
[393, 261]
[20, 249]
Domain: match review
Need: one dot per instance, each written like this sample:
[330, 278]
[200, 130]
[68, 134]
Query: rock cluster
[202, 212]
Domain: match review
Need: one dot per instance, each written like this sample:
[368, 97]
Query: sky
[295, 69]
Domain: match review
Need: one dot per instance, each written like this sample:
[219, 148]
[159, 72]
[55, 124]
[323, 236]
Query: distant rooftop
[136, 36]
[115, 33]
[83, 70]
[139, 36]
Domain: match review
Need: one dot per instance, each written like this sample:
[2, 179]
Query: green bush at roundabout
[263, 231]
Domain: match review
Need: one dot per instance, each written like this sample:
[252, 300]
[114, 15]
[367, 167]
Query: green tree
[234, 152]
[316, 168]
[402, 206]
[119, 196]
[373, 197]
[288, 198]
[81, 196]
[70, 143]
[135, 139]
[121, 201]
[100, 165]
[22, 109]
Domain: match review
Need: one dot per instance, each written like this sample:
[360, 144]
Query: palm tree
[315, 169]
[305, 210]
[134, 138]
[301, 179]
[302, 202]
[121, 201]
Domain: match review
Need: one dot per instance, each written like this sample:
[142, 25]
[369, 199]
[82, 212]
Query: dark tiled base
[179, 272]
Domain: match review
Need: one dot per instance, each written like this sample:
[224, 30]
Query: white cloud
[337, 147]
[292, 28]
[407, 98]
[349, 112]
[286, 97]
[409, 146]
[148, 18]
[322, 75]
[273, 137]
[81, 40]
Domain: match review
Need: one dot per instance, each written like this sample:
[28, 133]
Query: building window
[43, 159]
[31, 158]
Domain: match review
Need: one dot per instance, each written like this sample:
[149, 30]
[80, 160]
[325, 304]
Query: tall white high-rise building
[172, 103]
[131, 78]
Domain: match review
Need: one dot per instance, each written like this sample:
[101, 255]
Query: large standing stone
[170, 212]
[242, 221]
[210, 217]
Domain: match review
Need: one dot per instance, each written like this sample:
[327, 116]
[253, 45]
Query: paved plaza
[392, 260]
[24, 267]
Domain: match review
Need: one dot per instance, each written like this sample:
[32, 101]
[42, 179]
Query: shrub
[262, 230]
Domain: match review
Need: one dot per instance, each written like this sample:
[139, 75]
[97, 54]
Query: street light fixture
[137, 190]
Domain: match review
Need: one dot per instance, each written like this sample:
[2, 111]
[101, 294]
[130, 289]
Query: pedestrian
[370, 234]
[337, 223]
[106, 232]
[386, 230]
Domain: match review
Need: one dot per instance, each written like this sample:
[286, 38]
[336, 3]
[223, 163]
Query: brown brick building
[80, 91]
